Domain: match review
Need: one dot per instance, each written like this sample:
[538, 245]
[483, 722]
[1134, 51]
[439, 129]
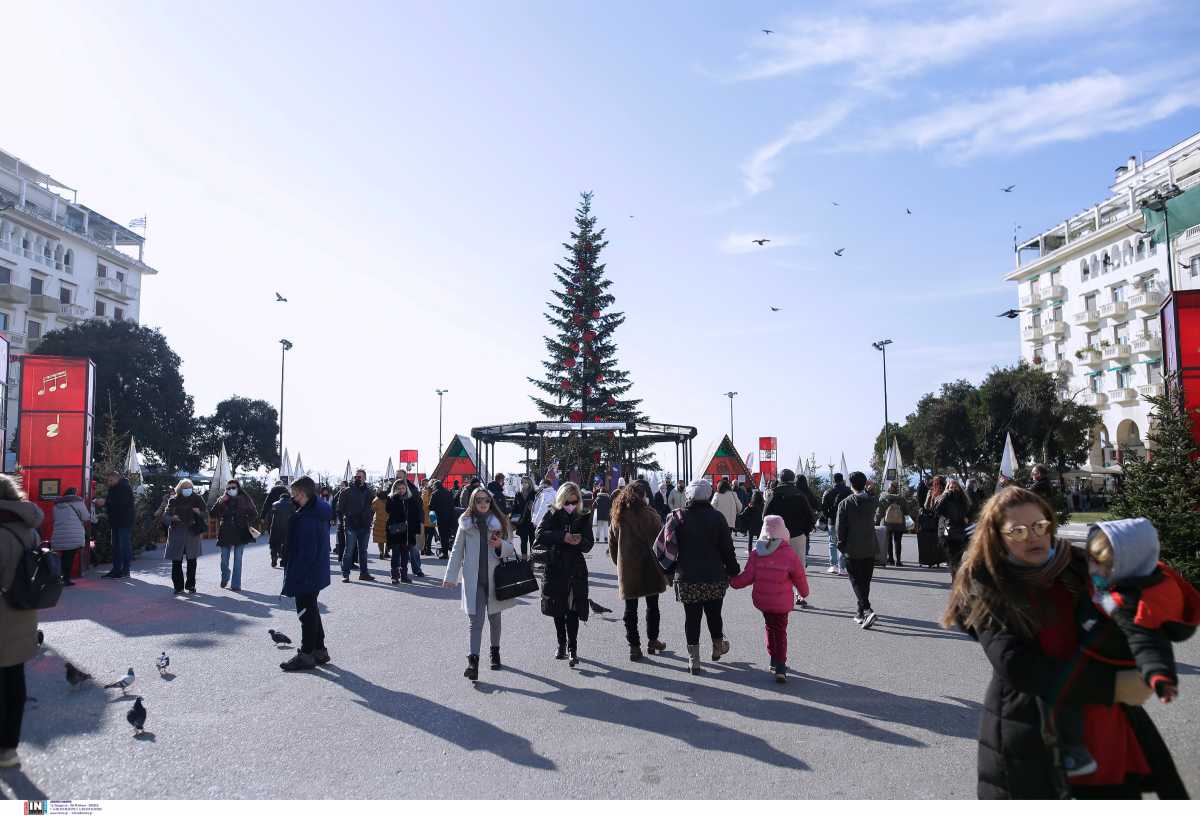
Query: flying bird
[766, 31]
[836, 204]
[1008, 189]
[279, 637]
[125, 682]
[1010, 314]
[839, 252]
[137, 716]
[75, 676]
[280, 298]
[760, 241]
[162, 662]
[774, 308]
[597, 608]
[907, 210]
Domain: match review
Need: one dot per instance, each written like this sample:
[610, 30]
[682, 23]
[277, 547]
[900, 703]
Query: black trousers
[860, 571]
[278, 553]
[428, 549]
[631, 620]
[12, 705]
[526, 534]
[68, 563]
[177, 574]
[954, 547]
[895, 538]
[312, 633]
[710, 611]
[399, 552]
[566, 626]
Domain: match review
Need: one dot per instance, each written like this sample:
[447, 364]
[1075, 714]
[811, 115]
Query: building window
[3, 321]
[33, 329]
[1124, 376]
[1058, 313]
[101, 270]
[1195, 266]
[100, 306]
[120, 274]
[1093, 339]
[1118, 293]
[68, 259]
[5, 274]
[1089, 302]
[1154, 373]
[1038, 357]
[64, 294]
[118, 313]
[1083, 270]
[1097, 383]
[1121, 333]
[35, 285]
[1037, 319]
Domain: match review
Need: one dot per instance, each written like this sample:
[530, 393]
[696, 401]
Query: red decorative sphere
[589, 335]
[574, 347]
[565, 384]
[577, 416]
[599, 378]
[597, 417]
[596, 314]
[569, 362]
[578, 318]
[612, 401]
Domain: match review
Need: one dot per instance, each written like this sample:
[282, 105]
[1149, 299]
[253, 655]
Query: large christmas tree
[582, 381]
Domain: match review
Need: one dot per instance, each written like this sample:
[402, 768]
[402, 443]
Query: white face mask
[187, 491]
[232, 491]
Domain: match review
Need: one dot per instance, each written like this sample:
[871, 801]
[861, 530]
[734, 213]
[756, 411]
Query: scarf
[1042, 576]
[666, 544]
[1009, 600]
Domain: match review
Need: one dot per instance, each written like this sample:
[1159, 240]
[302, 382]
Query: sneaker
[803, 604]
[321, 656]
[1077, 761]
[367, 577]
[9, 758]
[869, 620]
[110, 574]
[395, 580]
[301, 662]
[780, 673]
[418, 574]
[842, 572]
[858, 619]
[404, 579]
[224, 583]
[191, 590]
[346, 580]
[832, 570]
[561, 654]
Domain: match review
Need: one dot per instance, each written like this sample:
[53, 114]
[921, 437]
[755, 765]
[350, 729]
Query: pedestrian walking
[950, 505]
[185, 518]
[444, 514]
[118, 505]
[697, 546]
[522, 514]
[416, 510]
[402, 520]
[236, 512]
[543, 503]
[19, 523]
[496, 488]
[379, 522]
[893, 509]
[1017, 594]
[429, 529]
[482, 540]
[354, 505]
[752, 515]
[601, 514]
[277, 492]
[71, 517]
[774, 569]
[277, 519]
[675, 497]
[727, 503]
[563, 537]
[795, 507]
[307, 571]
[829, 506]
[856, 539]
[635, 526]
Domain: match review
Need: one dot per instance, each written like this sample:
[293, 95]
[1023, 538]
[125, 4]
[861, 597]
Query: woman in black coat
[1016, 593]
[955, 508]
[521, 514]
[404, 519]
[564, 535]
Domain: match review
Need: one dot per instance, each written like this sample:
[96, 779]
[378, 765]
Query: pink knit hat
[773, 527]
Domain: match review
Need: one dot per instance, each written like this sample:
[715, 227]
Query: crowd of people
[1078, 638]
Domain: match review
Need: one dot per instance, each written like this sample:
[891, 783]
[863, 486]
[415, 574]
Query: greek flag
[138, 222]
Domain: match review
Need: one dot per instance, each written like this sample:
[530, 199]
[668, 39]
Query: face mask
[1100, 582]
[570, 508]
[232, 491]
[187, 491]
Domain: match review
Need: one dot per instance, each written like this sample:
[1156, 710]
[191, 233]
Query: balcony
[1123, 396]
[1117, 351]
[1054, 292]
[72, 311]
[117, 289]
[43, 303]
[31, 345]
[11, 293]
[1056, 367]
[1147, 344]
[1089, 357]
[1054, 328]
[1146, 301]
[1151, 389]
[15, 339]
[1096, 399]
[1031, 333]
[1086, 318]
[1031, 298]
[1116, 309]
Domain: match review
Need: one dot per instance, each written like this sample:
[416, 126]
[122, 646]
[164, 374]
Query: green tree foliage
[1165, 487]
[248, 427]
[882, 442]
[138, 386]
[582, 379]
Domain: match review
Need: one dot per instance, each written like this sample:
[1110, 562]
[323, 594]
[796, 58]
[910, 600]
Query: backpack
[894, 514]
[37, 581]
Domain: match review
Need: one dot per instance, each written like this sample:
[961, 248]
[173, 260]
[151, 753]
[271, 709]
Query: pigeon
[280, 298]
[839, 252]
[1010, 314]
[774, 308]
[1008, 189]
[41, 637]
[137, 716]
[75, 676]
[907, 210]
[125, 682]
[597, 608]
[836, 204]
[766, 31]
[279, 637]
[162, 662]
[760, 241]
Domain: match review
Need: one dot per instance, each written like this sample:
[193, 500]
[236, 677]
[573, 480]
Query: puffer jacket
[70, 516]
[727, 504]
[380, 522]
[773, 569]
[307, 569]
[19, 523]
[565, 587]
[706, 553]
[788, 502]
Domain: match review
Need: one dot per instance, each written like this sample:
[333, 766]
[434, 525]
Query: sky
[405, 173]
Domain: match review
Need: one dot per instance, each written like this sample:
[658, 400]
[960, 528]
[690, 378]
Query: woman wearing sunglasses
[1016, 593]
[563, 536]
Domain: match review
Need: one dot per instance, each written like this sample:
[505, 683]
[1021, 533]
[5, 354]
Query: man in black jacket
[441, 504]
[856, 538]
[118, 503]
[354, 505]
[829, 505]
[789, 503]
[496, 488]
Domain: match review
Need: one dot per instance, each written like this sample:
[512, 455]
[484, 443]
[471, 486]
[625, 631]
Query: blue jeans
[122, 544]
[836, 559]
[356, 541]
[414, 558]
[236, 583]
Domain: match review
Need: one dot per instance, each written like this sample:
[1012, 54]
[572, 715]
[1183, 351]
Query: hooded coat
[70, 516]
[19, 523]
[631, 548]
[774, 568]
[565, 587]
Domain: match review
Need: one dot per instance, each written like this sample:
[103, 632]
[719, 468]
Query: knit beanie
[698, 490]
[773, 527]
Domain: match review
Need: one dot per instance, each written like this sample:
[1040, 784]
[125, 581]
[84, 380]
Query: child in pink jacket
[774, 568]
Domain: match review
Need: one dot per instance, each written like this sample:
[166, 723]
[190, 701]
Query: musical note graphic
[52, 428]
[56, 381]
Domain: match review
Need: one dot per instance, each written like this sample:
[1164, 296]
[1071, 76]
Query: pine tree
[582, 381]
[1165, 486]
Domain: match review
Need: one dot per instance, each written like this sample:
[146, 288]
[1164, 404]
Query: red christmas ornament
[569, 362]
[589, 335]
[578, 319]
[599, 378]
[565, 383]
[612, 401]
[596, 457]
[587, 390]
[597, 417]
[596, 315]
[577, 416]
[574, 347]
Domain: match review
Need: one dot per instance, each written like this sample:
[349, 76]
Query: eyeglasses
[1020, 532]
[482, 500]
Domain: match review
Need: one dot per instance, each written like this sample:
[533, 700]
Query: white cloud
[740, 243]
[758, 169]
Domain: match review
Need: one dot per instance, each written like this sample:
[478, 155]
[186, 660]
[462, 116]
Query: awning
[1182, 213]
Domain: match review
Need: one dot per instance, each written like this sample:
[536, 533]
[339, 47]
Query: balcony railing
[1054, 292]
[1123, 395]
[1056, 367]
[1151, 389]
[1118, 308]
[1147, 344]
[72, 311]
[1033, 333]
[1117, 351]
[44, 303]
[1055, 328]
[1090, 357]
[1030, 298]
[1087, 318]
[122, 290]
[16, 339]
[11, 293]
[1096, 399]
[1147, 301]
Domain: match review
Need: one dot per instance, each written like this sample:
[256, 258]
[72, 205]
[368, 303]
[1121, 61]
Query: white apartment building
[1090, 289]
[60, 263]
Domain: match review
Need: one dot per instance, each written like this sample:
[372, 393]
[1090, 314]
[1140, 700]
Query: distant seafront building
[60, 263]
[1090, 289]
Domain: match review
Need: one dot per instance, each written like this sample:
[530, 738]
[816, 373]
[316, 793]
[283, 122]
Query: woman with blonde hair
[186, 520]
[1016, 593]
[483, 538]
[563, 536]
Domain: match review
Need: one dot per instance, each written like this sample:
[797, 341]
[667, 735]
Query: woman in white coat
[483, 538]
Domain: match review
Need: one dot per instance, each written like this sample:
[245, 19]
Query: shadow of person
[462, 729]
[14, 784]
[658, 718]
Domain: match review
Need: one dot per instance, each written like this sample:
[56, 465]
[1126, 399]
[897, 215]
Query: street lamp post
[731, 395]
[1158, 203]
[440, 392]
[881, 345]
[285, 346]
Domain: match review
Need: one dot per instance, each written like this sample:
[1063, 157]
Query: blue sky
[405, 174]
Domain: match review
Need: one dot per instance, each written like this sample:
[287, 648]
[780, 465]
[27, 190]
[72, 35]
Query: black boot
[574, 661]
[561, 654]
[635, 651]
[472, 671]
[495, 657]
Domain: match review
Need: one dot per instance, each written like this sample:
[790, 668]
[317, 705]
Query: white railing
[1117, 351]
[1054, 292]
[1123, 395]
[72, 311]
[1087, 318]
[1148, 299]
[1031, 333]
[1148, 344]
[1117, 308]
[16, 339]
[1151, 389]
[1094, 399]
[1054, 328]
[1091, 357]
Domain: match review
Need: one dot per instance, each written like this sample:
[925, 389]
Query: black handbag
[397, 528]
[513, 578]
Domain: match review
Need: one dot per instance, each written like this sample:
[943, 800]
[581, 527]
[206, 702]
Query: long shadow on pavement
[464, 730]
[16, 785]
